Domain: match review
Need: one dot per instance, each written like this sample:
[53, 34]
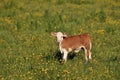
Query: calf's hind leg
[86, 54]
[90, 55]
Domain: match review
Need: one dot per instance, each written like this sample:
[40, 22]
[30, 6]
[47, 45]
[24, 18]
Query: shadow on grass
[59, 55]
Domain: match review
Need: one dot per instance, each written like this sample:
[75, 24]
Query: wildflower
[58, 75]
[64, 16]
[65, 71]
[8, 20]
[81, 30]
[28, 72]
[101, 31]
[2, 78]
[30, 78]
[33, 54]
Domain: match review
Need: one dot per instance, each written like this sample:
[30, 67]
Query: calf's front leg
[65, 54]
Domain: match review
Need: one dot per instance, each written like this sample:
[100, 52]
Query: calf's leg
[86, 54]
[65, 55]
[90, 57]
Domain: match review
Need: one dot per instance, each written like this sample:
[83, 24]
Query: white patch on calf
[59, 36]
[70, 49]
[65, 53]
[78, 49]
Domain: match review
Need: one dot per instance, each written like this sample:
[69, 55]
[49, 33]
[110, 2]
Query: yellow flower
[101, 31]
[65, 71]
[8, 20]
[2, 78]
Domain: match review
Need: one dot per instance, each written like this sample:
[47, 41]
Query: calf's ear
[65, 35]
[53, 33]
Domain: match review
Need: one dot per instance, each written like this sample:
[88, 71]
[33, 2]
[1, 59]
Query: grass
[27, 50]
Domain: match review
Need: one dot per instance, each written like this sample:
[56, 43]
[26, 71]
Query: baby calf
[73, 43]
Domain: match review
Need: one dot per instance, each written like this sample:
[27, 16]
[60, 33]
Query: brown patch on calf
[76, 41]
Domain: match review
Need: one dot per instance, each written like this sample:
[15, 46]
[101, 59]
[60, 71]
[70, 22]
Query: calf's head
[59, 35]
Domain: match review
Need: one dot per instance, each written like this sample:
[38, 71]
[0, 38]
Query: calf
[73, 43]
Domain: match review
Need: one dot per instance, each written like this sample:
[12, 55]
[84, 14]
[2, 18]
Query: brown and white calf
[73, 43]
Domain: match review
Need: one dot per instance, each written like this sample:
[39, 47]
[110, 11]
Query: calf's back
[75, 42]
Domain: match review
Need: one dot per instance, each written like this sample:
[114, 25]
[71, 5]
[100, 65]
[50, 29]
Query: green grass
[27, 50]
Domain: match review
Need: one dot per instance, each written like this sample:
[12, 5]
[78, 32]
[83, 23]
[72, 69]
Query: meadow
[28, 51]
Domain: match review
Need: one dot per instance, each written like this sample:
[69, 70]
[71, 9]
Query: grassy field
[28, 51]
